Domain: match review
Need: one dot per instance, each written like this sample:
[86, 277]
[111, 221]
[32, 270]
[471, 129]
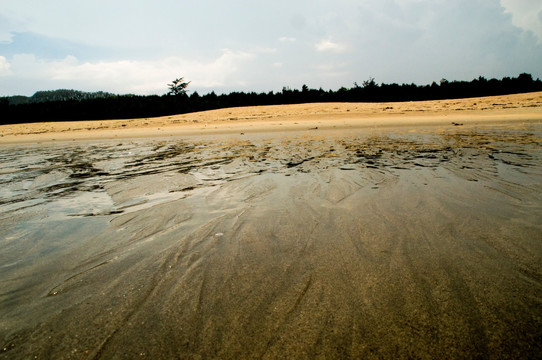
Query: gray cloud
[526, 14]
[241, 45]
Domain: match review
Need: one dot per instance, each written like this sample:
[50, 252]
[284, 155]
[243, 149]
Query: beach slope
[303, 231]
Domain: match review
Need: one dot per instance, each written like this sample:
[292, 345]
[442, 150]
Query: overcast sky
[137, 46]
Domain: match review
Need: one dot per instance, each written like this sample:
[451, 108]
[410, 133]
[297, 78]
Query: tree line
[100, 106]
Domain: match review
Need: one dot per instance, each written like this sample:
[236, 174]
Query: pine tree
[178, 87]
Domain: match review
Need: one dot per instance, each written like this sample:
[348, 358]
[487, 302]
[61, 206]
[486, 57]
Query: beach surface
[298, 117]
[332, 231]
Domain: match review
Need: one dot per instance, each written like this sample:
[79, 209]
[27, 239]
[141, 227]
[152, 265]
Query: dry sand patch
[520, 107]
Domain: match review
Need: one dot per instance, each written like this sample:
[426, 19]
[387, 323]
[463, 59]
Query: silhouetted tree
[61, 105]
[369, 84]
[178, 87]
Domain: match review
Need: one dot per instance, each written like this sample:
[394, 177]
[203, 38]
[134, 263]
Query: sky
[138, 47]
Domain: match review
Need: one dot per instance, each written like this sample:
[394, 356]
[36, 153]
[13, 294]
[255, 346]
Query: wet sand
[402, 241]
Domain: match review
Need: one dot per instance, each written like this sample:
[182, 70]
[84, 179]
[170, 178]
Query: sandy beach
[310, 231]
[299, 117]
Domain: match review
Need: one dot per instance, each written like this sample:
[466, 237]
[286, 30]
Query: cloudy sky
[138, 46]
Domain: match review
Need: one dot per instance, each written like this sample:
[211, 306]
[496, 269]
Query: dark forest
[69, 105]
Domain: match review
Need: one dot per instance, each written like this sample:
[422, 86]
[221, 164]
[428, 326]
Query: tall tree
[178, 87]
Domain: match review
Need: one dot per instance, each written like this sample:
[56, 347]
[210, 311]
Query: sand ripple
[315, 244]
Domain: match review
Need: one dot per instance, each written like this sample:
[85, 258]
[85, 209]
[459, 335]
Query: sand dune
[290, 117]
[361, 232]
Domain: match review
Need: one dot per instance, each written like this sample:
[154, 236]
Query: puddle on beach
[381, 244]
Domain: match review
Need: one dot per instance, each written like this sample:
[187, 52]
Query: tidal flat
[308, 244]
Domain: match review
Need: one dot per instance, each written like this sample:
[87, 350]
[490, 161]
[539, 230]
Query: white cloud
[140, 77]
[4, 66]
[331, 70]
[287, 39]
[6, 37]
[142, 47]
[263, 50]
[328, 45]
[7, 27]
[526, 14]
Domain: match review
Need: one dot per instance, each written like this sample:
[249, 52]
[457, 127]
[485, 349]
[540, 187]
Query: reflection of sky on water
[80, 222]
[108, 177]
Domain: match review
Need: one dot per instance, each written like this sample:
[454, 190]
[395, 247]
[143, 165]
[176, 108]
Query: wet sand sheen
[385, 244]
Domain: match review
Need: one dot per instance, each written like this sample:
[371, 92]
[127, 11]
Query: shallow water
[317, 244]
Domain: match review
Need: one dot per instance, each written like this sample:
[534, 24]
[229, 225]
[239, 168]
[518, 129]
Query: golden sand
[312, 231]
[520, 107]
